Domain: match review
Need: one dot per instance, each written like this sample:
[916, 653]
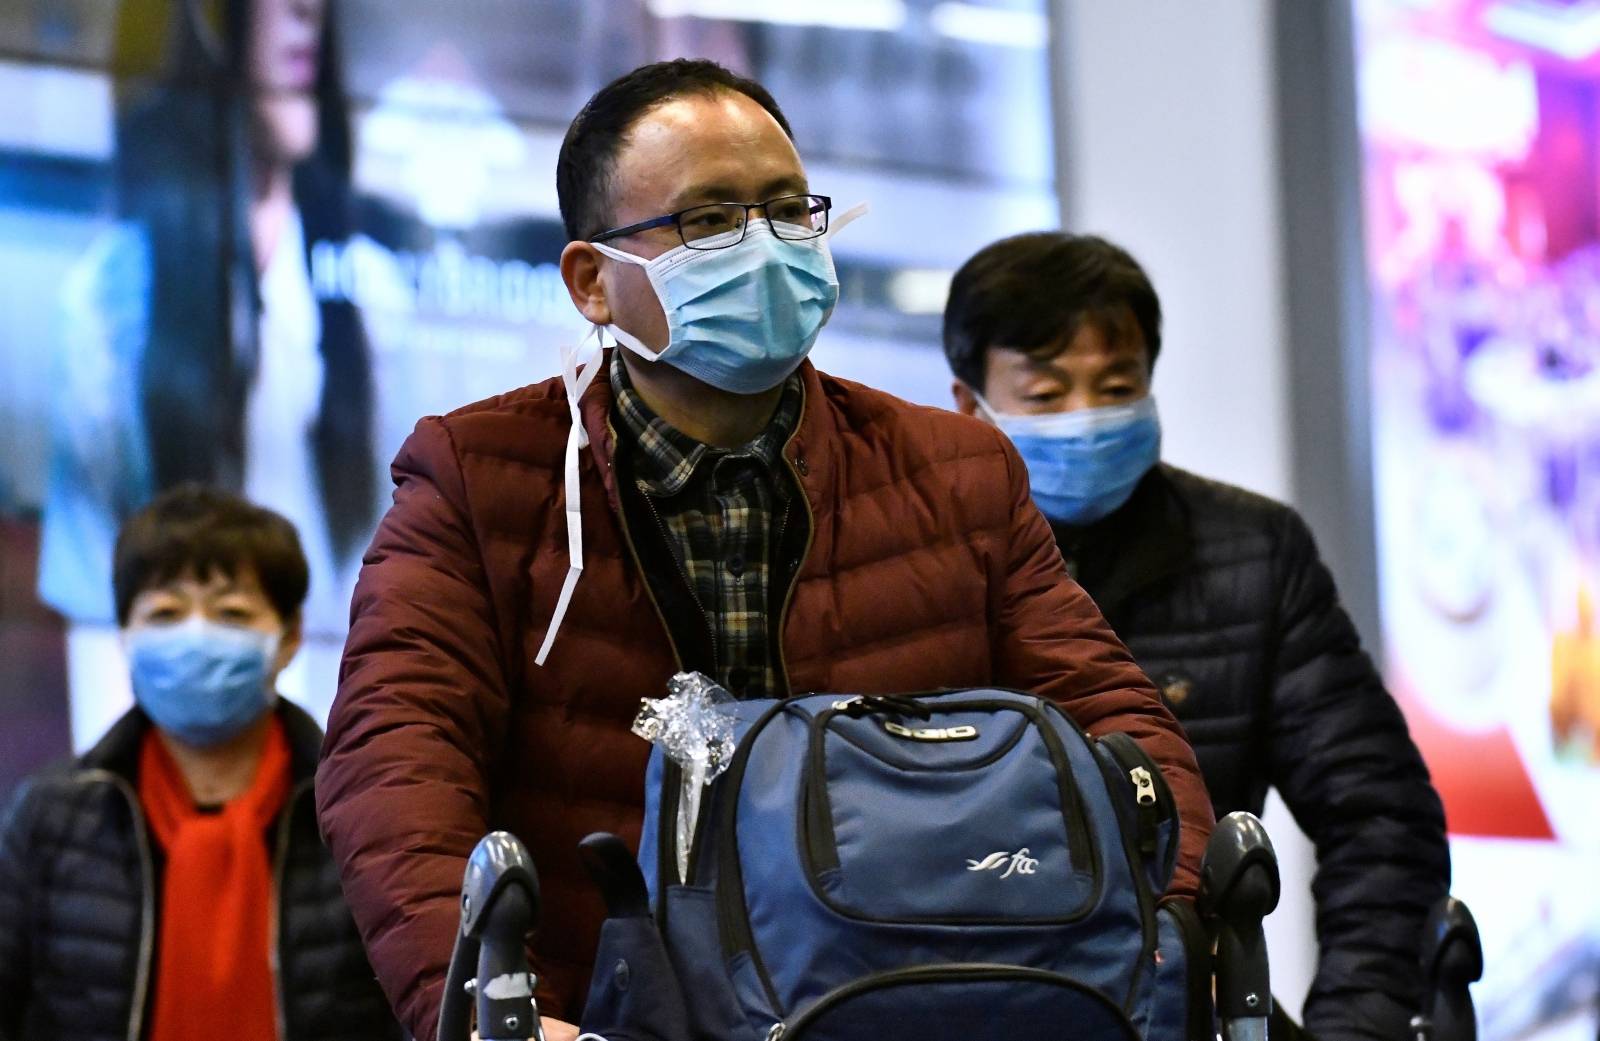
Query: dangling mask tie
[578, 368]
[740, 318]
[1083, 465]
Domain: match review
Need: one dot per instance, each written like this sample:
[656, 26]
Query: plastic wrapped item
[695, 730]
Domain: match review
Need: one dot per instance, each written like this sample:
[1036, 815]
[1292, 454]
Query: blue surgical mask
[743, 317]
[201, 681]
[1083, 465]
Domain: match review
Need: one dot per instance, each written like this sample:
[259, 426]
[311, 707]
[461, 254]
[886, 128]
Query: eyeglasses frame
[672, 219]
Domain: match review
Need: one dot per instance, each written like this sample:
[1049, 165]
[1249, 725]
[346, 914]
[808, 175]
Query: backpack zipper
[1144, 796]
[1124, 748]
[951, 972]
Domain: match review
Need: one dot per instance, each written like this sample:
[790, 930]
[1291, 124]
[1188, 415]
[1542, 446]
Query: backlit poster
[251, 242]
[1480, 128]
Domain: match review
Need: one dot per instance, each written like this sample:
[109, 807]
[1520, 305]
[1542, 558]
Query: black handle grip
[499, 908]
[1452, 960]
[1239, 887]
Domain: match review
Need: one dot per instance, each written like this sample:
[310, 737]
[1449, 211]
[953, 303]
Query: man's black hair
[588, 156]
[1032, 292]
[197, 530]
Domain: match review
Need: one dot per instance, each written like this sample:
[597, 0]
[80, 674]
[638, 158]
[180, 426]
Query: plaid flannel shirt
[722, 512]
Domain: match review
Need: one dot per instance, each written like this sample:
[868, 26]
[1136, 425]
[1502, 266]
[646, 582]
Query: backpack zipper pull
[776, 1033]
[1144, 793]
[1144, 786]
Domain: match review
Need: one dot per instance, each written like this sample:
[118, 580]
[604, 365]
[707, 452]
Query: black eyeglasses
[719, 225]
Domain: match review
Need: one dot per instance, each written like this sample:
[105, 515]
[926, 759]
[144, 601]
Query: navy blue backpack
[943, 867]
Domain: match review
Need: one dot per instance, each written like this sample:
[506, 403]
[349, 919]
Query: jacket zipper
[147, 928]
[675, 778]
[280, 858]
[811, 535]
[705, 616]
[666, 856]
[953, 972]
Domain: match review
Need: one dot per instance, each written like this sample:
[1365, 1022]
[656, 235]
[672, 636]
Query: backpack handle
[616, 873]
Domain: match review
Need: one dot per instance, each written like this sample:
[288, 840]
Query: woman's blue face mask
[203, 682]
[1083, 465]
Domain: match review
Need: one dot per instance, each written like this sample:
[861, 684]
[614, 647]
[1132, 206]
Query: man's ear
[966, 401]
[580, 270]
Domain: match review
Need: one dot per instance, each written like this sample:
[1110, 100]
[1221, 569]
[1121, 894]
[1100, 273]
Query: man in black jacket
[1222, 598]
[120, 921]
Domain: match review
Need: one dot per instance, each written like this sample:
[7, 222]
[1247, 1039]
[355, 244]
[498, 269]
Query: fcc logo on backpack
[1018, 863]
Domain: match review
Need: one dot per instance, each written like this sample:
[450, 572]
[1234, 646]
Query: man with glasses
[701, 499]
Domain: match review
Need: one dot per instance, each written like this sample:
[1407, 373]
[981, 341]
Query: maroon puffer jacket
[928, 566]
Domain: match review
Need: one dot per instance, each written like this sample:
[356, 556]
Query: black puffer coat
[1222, 598]
[79, 884]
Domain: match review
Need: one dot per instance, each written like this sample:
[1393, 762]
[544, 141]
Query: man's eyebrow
[701, 194]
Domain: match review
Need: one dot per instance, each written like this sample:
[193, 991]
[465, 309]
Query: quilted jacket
[918, 561]
[1224, 601]
[79, 890]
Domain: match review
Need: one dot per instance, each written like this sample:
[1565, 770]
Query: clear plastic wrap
[696, 731]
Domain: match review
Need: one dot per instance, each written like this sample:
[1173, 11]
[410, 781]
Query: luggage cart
[490, 983]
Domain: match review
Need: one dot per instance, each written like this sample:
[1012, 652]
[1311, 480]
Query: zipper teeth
[676, 777]
[811, 535]
[280, 858]
[644, 580]
[141, 979]
[1136, 871]
[677, 662]
[705, 617]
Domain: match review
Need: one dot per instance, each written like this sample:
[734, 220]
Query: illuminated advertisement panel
[171, 315]
[1480, 129]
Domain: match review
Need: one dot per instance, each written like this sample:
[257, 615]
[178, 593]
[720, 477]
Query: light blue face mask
[1083, 465]
[740, 319]
[200, 681]
[743, 317]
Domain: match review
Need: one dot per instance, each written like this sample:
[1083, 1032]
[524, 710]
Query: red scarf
[213, 969]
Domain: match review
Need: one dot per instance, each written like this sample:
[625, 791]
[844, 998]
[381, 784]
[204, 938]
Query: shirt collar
[668, 458]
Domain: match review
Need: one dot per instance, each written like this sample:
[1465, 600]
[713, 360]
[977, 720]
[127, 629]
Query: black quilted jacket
[79, 883]
[1222, 598]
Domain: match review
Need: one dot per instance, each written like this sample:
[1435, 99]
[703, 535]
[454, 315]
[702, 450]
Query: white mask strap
[623, 336]
[616, 254]
[633, 343]
[839, 223]
[983, 404]
[578, 369]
